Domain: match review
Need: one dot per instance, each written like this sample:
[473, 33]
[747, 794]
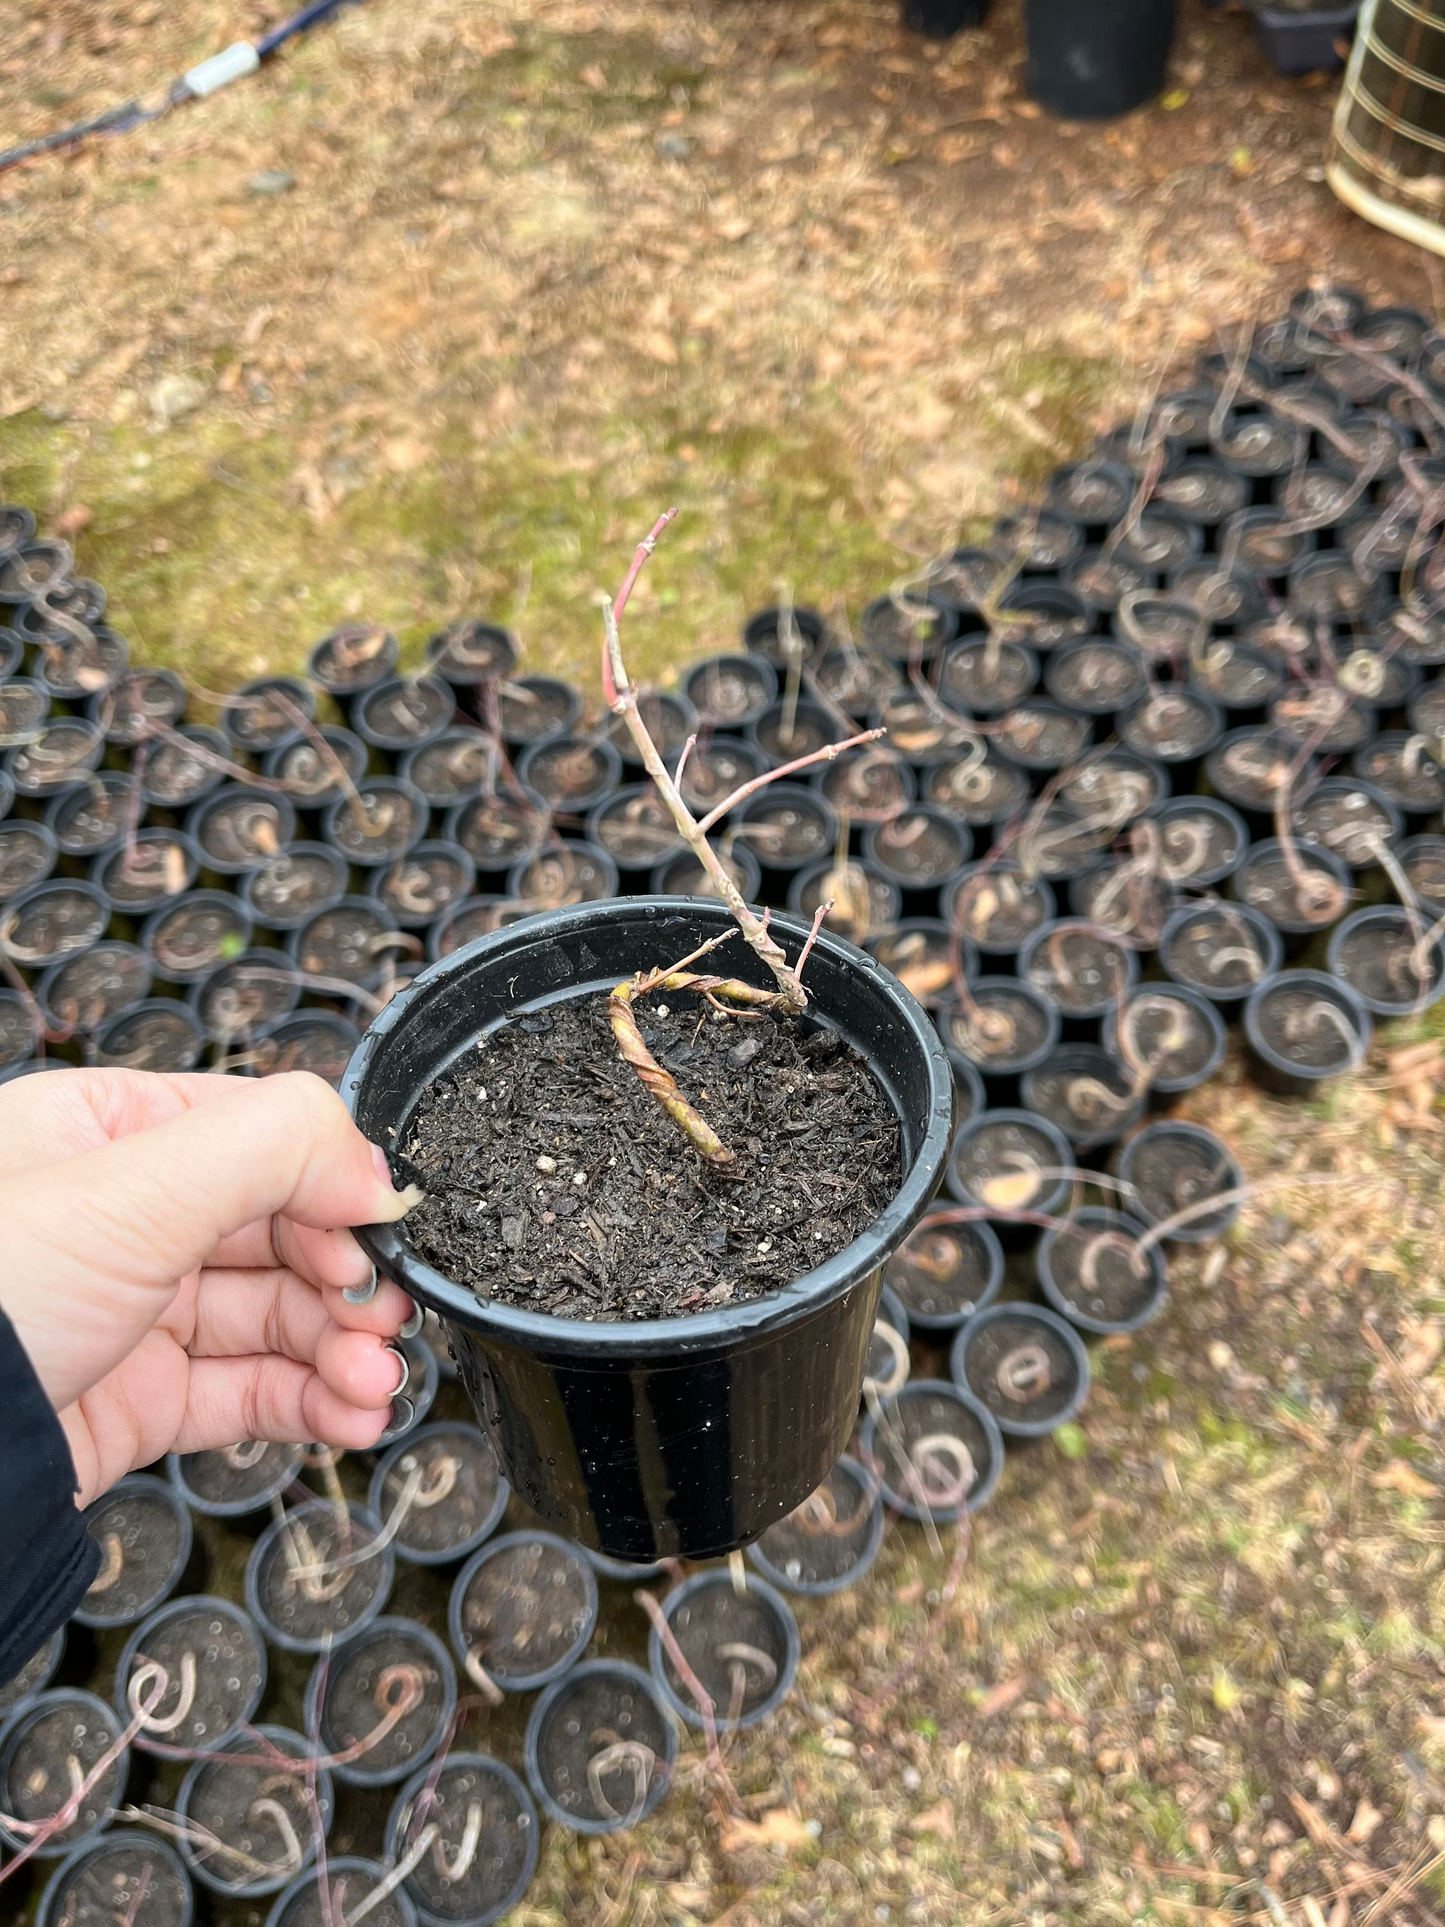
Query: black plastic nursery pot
[403, 713]
[1092, 1269]
[687, 1435]
[921, 850]
[302, 1618]
[442, 1487]
[144, 1534]
[1026, 1364]
[1350, 817]
[998, 907]
[1381, 954]
[19, 1030]
[180, 772]
[89, 989]
[1302, 897]
[352, 659]
[729, 692]
[670, 720]
[390, 1664]
[44, 925]
[985, 676]
[456, 766]
[310, 1040]
[470, 654]
[522, 1610]
[235, 1794]
[240, 1000]
[600, 1748]
[295, 885]
[887, 1364]
[1007, 1163]
[933, 1444]
[236, 828]
[28, 855]
[1089, 1094]
[922, 952]
[830, 1540]
[423, 885]
[140, 876]
[740, 1641]
[1081, 969]
[36, 1742]
[944, 1273]
[571, 774]
[129, 1873]
[1399, 764]
[237, 1482]
[269, 712]
[682, 875]
[1173, 1169]
[1004, 1030]
[1223, 950]
[157, 1034]
[93, 815]
[214, 1663]
[1302, 1027]
[350, 1883]
[191, 937]
[494, 1880]
[1170, 1033]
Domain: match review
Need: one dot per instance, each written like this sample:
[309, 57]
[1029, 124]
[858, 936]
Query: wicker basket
[1387, 150]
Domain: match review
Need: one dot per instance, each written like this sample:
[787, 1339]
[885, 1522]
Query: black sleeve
[50, 1558]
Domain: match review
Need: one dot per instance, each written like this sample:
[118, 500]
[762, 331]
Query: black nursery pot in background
[1093, 59]
[688, 1435]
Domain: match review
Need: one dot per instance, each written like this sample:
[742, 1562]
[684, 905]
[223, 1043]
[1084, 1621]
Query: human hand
[173, 1257]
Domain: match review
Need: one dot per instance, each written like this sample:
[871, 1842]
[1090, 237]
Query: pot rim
[619, 1669]
[172, 1609]
[612, 1340]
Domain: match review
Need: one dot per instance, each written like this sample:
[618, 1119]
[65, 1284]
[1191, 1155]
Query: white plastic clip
[221, 69]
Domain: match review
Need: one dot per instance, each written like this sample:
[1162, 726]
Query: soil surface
[1100, 1272]
[362, 1689]
[1170, 1173]
[1021, 1369]
[38, 1779]
[941, 1271]
[239, 1800]
[555, 1182]
[129, 1883]
[349, 1889]
[828, 1534]
[30, 1679]
[908, 1435]
[139, 1536]
[229, 1664]
[735, 1644]
[337, 1598]
[458, 1492]
[526, 1608]
[602, 1713]
[495, 1866]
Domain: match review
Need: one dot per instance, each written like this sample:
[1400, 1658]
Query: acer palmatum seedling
[789, 999]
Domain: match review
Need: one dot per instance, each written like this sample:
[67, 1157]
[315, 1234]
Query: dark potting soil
[452, 768]
[1010, 1030]
[240, 1472]
[919, 848]
[63, 750]
[571, 772]
[405, 710]
[1099, 1272]
[1216, 951]
[313, 779]
[320, 1539]
[783, 735]
[1003, 1165]
[1096, 676]
[733, 1641]
[349, 1889]
[93, 816]
[603, 1747]
[527, 1607]
[726, 691]
[1041, 737]
[1020, 1368]
[240, 828]
[152, 1038]
[378, 824]
[1194, 843]
[1346, 820]
[17, 1031]
[786, 831]
[236, 1801]
[1166, 1034]
[714, 771]
[924, 1419]
[941, 1271]
[1083, 1090]
[229, 1671]
[502, 1850]
[184, 768]
[1078, 968]
[38, 1781]
[1306, 1027]
[347, 941]
[501, 1145]
[1124, 900]
[857, 682]
[193, 937]
[1056, 843]
[460, 1480]
[240, 998]
[1379, 960]
[565, 874]
[140, 1536]
[418, 888]
[867, 785]
[828, 1534]
[987, 677]
[976, 789]
[1171, 1172]
[361, 1690]
[51, 925]
[129, 1881]
[27, 856]
[157, 867]
[496, 831]
[998, 907]
[296, 884]
[1403, 768]
[1311, 900]
[636, 829]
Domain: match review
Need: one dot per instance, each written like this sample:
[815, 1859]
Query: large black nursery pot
[1093, 59]
[686, 1436]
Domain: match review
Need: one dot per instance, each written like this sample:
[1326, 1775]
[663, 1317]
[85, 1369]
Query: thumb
[92, 1248]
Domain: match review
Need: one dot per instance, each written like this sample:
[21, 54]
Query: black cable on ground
[234, 63]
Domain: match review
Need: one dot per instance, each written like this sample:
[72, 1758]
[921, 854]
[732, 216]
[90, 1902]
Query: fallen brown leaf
[936, 1819]
[1400, 1476]
[999, 1698]
[776, 1829]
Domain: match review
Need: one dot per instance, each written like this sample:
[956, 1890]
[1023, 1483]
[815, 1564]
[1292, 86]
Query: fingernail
[383, 1169]
[405, 1363]
[413, 1324]
[403, 1415]
[362, 1294]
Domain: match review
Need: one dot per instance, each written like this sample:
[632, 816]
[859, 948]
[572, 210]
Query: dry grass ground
[432, 317]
